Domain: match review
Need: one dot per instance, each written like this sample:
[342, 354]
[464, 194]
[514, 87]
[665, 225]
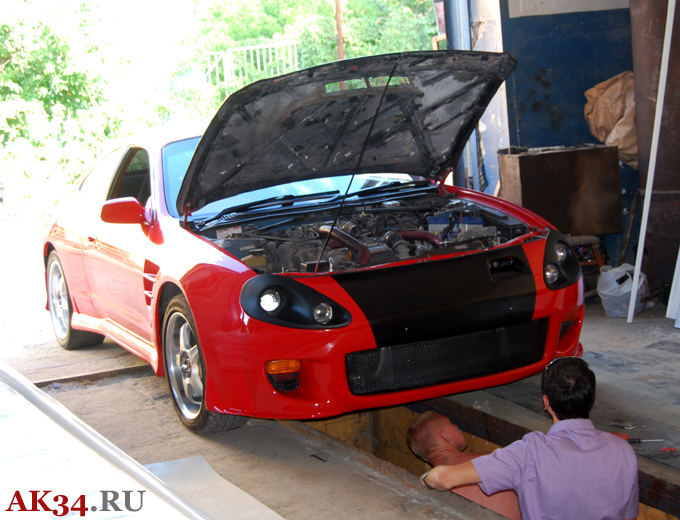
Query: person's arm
[443, 478]
[633, 506]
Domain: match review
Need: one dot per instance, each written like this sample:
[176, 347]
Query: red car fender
[182, 271]
[212, 292]
[321, 352]
[561, 305]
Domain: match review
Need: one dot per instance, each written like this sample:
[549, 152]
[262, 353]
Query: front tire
[61, 310]
[186, 373]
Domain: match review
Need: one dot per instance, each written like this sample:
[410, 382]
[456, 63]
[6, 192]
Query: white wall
[519, 8]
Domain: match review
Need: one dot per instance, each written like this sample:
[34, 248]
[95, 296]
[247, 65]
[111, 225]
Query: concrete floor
[297, 474]
[636, 366]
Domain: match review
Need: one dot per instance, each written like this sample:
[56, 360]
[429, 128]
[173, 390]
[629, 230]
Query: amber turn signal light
[573, 315]
[282, 366]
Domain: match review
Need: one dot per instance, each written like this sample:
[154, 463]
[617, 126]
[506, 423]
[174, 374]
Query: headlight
[560, 265]
[270, 301]
[561, 251]
[323, 313]
[286, 302]
[551, 273]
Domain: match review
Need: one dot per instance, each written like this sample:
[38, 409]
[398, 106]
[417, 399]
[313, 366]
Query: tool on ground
[625, 437]
[666, 448]
[619, 423]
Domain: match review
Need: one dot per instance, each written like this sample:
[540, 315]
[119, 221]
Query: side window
[95, 183]
[134, 180]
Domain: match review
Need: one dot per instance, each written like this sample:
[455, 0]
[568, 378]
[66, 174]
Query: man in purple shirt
[574, 472]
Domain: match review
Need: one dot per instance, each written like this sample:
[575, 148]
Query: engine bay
[365, 234]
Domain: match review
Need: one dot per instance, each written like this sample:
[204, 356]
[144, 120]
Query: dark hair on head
[570, 386]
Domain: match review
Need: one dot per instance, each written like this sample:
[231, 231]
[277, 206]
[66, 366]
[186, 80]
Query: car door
[76, 216]
[115, 254]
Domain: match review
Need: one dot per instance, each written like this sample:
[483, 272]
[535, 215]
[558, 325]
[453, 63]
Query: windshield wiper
[280, 200]
[392, 186]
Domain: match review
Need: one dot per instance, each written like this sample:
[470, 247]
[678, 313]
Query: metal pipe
[338, 25]
[663, 77]
[458, 37]
[450, 24]
[420, 234]
[632, 215]
[348, 241]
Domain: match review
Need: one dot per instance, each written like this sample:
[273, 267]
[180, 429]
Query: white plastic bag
[614, 286]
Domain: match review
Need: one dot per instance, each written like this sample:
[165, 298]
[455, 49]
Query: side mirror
[126, 210]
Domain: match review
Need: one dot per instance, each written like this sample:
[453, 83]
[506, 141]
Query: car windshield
[177, 156]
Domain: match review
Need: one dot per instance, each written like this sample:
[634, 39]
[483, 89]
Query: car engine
[363, 235]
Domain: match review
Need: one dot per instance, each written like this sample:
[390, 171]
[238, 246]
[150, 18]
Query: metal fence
[237, 67]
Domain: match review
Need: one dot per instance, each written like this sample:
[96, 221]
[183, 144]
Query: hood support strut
[356, 169]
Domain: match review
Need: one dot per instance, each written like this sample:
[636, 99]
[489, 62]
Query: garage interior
[358, 465]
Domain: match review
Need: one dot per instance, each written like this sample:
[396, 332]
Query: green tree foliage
[382, 26]
[40, 80]
[369, 27]
[75, 72]
[316, 32]
[51, 116]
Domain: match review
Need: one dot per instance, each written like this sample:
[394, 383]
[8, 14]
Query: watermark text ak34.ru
[33, 500]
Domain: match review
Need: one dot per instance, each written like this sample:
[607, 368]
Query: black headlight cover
[569, 270]
[298, 302]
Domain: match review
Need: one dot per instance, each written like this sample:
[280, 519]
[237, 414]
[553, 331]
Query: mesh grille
[284, 382]
[426, 363]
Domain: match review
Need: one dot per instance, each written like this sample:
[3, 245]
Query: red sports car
[303, 258]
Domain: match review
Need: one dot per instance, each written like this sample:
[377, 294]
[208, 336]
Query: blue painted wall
[560, 57]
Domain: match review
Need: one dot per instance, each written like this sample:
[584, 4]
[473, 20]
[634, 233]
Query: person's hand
[429, 479]
[443, 478]
[423, 481]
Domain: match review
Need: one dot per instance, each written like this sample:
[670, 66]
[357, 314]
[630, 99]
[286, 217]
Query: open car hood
[315, 123]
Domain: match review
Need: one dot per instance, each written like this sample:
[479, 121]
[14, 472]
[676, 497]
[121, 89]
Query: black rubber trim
[441, 298]
[297, 303]
[427, 363]
[569, 268]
